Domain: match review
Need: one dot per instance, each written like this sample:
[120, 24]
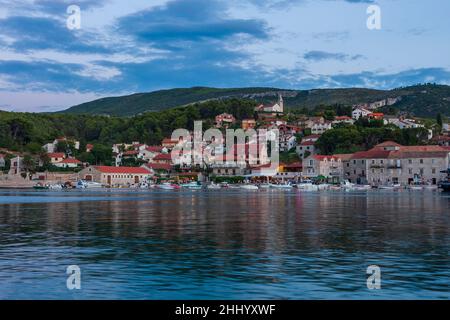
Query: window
[410, 171]
[410, 161]
[433, 171]
[421, 161]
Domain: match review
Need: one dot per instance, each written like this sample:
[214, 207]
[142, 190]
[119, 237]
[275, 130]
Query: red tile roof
[163, 156]
[130, 153]
[307, 143]
[123, 170]
[154, 148]
[322, 158]
[56, 155]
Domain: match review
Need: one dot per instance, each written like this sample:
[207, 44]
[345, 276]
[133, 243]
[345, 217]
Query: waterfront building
[343, 119]
[392, 163]
[323, 166]
[16, 166]
[116, 176]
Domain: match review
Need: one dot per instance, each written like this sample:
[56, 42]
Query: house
[272, 107]
[150, 152]
[115, 176]
[56, 157]
[360, 112]
[320, 128]
[89, 147]
[343, 119]
[165, 158]
[169, 143]
[16, 166]
[326, 166]
[376, 116]
[248, 124]
[225, 120]
[306, 148]
[68, 163]
[52, 146]
[287, 142]
[442, 140]
[160, 168]
[392, 163]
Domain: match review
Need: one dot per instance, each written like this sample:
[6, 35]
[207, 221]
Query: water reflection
[224, 245]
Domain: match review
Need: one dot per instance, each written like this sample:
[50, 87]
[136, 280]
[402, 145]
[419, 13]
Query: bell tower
[281, 103]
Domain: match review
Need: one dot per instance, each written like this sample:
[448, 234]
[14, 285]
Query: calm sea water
[224, 244]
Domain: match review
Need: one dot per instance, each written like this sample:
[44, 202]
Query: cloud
[188, 21]
[323, 55]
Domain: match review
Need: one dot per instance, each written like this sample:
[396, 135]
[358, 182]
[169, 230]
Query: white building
[360, 113]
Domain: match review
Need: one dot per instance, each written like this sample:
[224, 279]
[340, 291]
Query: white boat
[55, 187]
[307, 185]
[363, 187]
[249, 187]
[387, 187]
[348, 186]
[431, 187]
[264, 186]
[281, 186]
[415, 187]
[213, 186]
[192, 186]
[166, 186]
[82, 184]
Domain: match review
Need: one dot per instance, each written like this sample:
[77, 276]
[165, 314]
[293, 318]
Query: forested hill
[421, 100]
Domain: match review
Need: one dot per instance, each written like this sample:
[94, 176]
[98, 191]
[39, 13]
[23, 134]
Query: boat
[348, 186]
[192, 186]
[323, 186]
[213, 186]
[431, 187]
[445, 184]
[249, 187]
[307, 185]
[82, 184]
[415, 187]
[40, 186]
[281, 186]
[55, 187]
[363, 187]
[168, 186]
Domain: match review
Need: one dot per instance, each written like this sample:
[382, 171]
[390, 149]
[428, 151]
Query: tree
[439, 120]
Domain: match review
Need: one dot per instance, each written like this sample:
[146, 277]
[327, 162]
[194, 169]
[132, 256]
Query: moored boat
[82, 184]
[192, 186]
[445, 184]
[249, 187]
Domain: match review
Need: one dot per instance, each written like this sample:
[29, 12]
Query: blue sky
[135, 46]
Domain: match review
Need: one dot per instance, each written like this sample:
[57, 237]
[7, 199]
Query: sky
[49, 61]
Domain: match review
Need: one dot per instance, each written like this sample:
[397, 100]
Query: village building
[287, 142]
[306, 148]
[320, 128]
[343, 119]
[151, 152]
[116, 176]
[360, 112]
[392, 163]
[272, 107]
[68, 163]
[56, 157]
[225, 120]
[89, 147]
[442, 140]
[16, 166]
[329, 167]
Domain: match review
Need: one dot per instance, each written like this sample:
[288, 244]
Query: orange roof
[125, 170]
[154, 148]
[159, 166]
[322, 157]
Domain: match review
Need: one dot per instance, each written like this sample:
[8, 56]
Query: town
[304, 158]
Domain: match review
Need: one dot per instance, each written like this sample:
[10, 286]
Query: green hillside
[420, 100]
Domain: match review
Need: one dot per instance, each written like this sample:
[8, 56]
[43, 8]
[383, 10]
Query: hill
[421, 100]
